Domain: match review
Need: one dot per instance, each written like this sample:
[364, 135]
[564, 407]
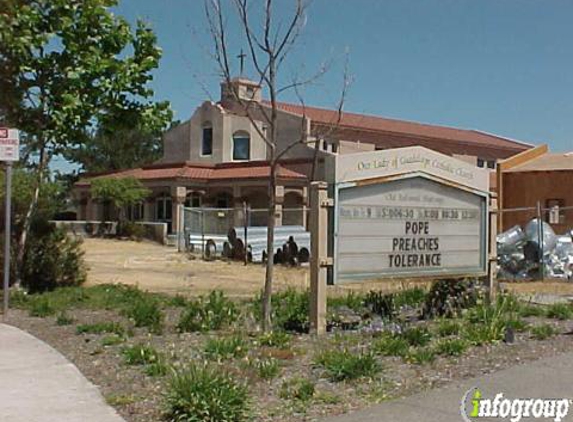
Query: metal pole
[180, 226]
[540, 241]
[7, 231]
[245, 220]
[202, 233]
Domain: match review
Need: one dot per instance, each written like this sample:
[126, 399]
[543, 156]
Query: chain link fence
[537, 243]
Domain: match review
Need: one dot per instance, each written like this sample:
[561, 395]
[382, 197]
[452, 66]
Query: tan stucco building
[218, 157]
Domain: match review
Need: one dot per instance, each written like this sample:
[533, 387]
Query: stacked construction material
[291, 244]
[522, 254]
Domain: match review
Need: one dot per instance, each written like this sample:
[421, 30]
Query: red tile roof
[361, 122]
[198, 172]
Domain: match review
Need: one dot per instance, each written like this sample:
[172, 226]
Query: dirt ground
[158, 268]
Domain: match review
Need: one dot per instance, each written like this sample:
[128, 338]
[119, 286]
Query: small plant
[301, 389]
[448, 327]
[344, 364]
[203, 393]
[381, 304]
[64, 319]
[145, 312]
[100, 328]
[352, 300]
[451, 347]
[178, 301]
[41, 307]
[290, 310]
[208, 314]
[447, 298]
[417, 336]
[266, 368]
[543, 331]
[225, 348]
[421, 355]
[410, 297]
[140, 354]
[279, 339]
[488, 322]
[391, 345]
[158, 368]
[529, 310]
[516, 324]
[111, 340]
[121, 400]
[561, 311]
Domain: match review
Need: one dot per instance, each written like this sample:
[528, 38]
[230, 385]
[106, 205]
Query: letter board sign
[423, 220]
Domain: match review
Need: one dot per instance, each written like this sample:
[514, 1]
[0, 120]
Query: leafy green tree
[67, 67]
[119, 145]
[121, 193]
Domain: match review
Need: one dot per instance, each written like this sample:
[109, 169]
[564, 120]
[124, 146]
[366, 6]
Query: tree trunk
[267, 296]
[22, 242]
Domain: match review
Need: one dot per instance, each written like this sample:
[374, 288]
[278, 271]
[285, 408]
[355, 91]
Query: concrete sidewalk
[547, 378]
[37, 384]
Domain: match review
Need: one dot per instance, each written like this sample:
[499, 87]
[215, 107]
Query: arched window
[207, 139]
[241, 146]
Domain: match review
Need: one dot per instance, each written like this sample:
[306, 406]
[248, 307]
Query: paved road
[37, 384]
[548, 378]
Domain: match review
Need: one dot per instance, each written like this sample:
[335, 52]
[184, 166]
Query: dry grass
[162, 269]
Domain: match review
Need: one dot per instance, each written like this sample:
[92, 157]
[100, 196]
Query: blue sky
[501, 66]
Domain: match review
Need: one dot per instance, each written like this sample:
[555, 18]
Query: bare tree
[269, 43]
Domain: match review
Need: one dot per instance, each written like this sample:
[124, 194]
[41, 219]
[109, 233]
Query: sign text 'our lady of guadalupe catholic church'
[408, 212]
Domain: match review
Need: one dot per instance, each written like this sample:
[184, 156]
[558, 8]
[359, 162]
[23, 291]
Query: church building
[219, 158]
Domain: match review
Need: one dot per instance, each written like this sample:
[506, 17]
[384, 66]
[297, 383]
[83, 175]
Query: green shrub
[111, 340]
[132, 230]
[206, 314]
[480, 334]
[279, 339]
[451, 347]
[146, 312]
[417, 336]
[448, 327]
[543, 331]
[447, 298]
[140, 354]
[420, 355]
[344, 364]
[381, 304]
[226, 347]
[64, 319]
[290, 310]
[301, 389]
[41, 307]
[390, 345]
[205, 394]
[53, 259]
[100, 328]
[561, 311]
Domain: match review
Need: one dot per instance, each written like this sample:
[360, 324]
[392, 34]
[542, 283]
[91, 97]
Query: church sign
[408, 212]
